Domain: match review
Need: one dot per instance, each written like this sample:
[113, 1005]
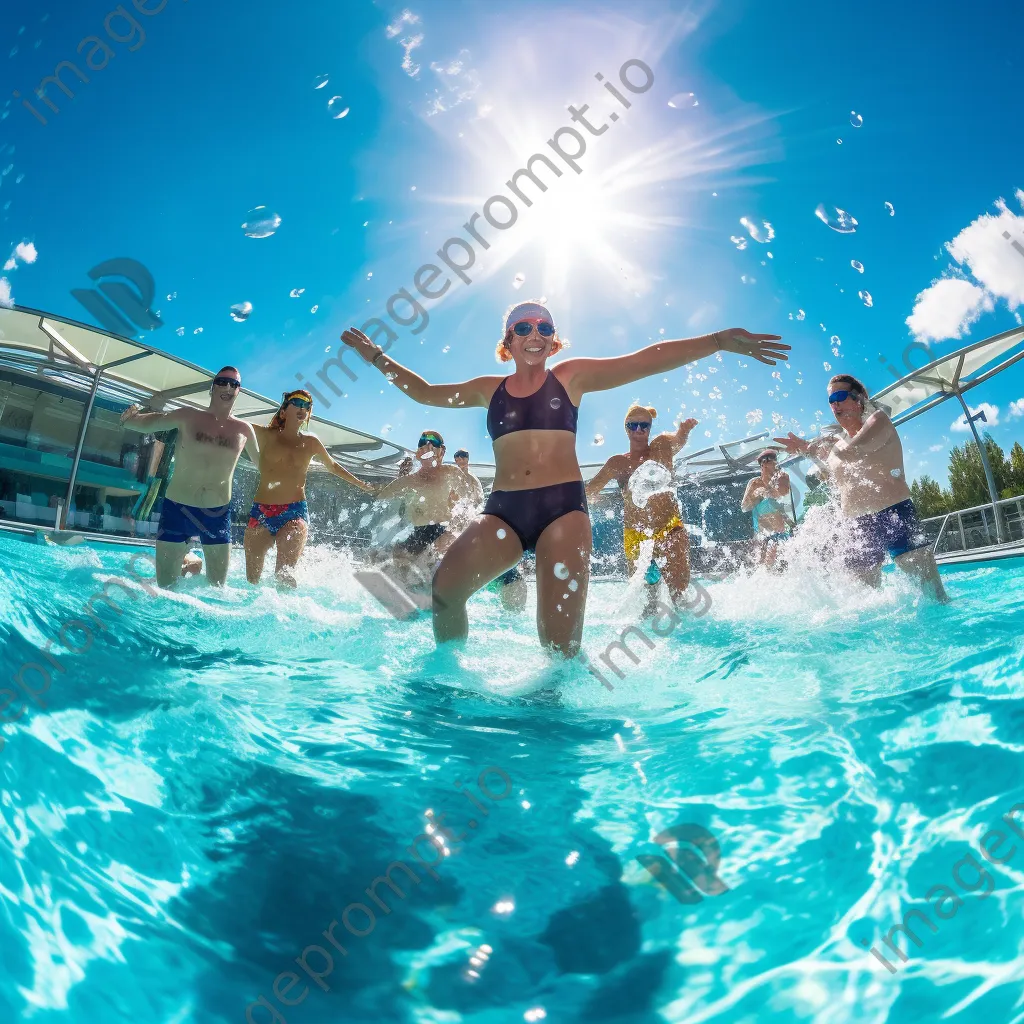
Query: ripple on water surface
[201, 792]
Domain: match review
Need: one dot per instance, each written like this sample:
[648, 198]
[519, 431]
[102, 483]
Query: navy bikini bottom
[529, 513]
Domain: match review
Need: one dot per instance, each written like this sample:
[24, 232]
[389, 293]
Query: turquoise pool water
[221, 776]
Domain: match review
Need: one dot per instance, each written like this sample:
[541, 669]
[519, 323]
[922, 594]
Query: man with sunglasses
[279, 517]
[430, 494]
[198, 499]
[763, 499]
[865, 464]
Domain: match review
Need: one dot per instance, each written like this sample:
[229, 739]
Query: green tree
[1016, 470]
[929, 498]
[967, 474]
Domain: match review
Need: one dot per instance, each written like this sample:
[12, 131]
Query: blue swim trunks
[894, 531]
[180, 523]
[273, 517]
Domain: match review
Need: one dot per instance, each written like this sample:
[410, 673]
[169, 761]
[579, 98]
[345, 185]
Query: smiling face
[223, 395]
[534, 348]
[431, 452]
[638, 430]
[768, 464]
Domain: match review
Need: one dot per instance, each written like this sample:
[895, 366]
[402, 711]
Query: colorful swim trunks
[632, 539]
[273, 517]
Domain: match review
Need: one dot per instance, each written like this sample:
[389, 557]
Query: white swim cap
[527, 311]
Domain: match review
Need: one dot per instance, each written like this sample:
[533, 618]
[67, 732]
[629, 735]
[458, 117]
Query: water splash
[835, 218]
[855, 119]
[649, 479]
[241, 311]
[865, 297]
[336, 107]
[260, 223]
[891, 209]
[762, 233]
[857, 265]
[320, 81]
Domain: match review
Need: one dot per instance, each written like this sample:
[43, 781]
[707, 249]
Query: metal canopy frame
[59, 360]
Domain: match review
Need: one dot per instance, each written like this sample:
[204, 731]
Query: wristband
[373, 361]
[718, 343]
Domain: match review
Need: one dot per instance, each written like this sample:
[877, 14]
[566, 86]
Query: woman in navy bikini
[538, 502]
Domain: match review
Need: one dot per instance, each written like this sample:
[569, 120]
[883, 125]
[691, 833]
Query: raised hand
[765, 348]
[684, 429]
[361, 343]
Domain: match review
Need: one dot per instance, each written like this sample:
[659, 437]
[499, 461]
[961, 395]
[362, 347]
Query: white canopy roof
[71, 353]
[961, 370]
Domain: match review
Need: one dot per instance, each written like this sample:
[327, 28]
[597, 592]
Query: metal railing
[971, 528]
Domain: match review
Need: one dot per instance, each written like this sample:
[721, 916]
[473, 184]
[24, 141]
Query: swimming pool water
[222, 775]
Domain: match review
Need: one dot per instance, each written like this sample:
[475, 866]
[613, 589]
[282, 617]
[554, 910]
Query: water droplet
[747, 279]
[839, 142]
[896, 473]
[260, 223]
[240, 311]
[369, 275]
[172, 296]
[826, 366]
[518, 280]
[295, 293]
[865, 297]
[683, 99]
[561, 571]
[762, 232]
[320, 81]
[501, 535]
[314, 309]
[198, 330]
[739, 241]
[754, 417]
[336, 107]
[836, 219]
[855, 119]
[800, 314]
[857, 265]
[573, 586]
[447, 348]
[180, 332]
[835, 339]
[891, 209]
[598, 440]
[555, 403]
[328, 349]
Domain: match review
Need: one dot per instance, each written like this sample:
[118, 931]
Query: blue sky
[163, 152]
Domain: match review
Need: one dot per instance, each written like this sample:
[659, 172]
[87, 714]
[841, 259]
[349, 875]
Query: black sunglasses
[524, 327]
[226, 382]
[433, 441]
[635, 425]
[299, 402]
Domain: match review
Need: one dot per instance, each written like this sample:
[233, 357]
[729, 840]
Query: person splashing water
[650, 508]
[539, 502]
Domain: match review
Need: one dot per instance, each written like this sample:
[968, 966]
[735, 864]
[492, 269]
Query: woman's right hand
[355, 338]
[130, 413]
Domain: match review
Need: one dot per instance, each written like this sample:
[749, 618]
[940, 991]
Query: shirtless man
[279, 515]
[659, 519]
[198, 500]
[763, 499]
[430, 496]
[866, 467]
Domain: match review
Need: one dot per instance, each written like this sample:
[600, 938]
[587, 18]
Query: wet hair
[278, 421]
[233, 369]
[643, 410]
[852, 384]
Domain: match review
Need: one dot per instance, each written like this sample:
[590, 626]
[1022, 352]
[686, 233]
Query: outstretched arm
[676, 441]
[471, 393]
[321, 453]
[585, 375]
[133, 418]
[598, 482]
[816, 450]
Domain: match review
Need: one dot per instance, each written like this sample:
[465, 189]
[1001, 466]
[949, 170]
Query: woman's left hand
[765, 348]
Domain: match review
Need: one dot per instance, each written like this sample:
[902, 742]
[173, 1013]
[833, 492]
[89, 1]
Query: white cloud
[991, 419]
[5, 293]
[11, 264]
[26, 252]
[991, 256]
[936, 447]
[1017, 409]
[947, 309]
[405, 18]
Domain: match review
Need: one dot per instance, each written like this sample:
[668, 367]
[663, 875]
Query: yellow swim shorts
[632, 539]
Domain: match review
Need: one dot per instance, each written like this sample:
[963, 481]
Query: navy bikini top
[548, 408]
